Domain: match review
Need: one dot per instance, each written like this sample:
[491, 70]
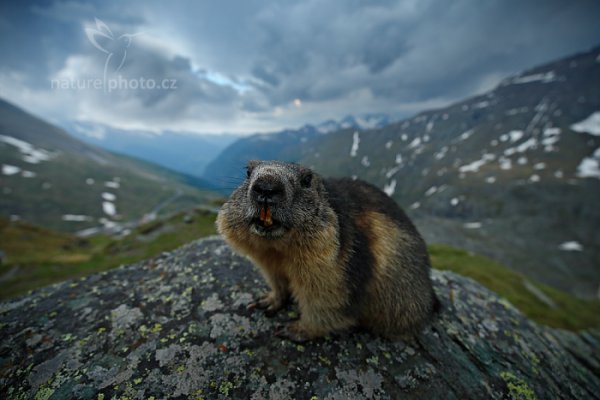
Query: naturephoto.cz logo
[115, 51]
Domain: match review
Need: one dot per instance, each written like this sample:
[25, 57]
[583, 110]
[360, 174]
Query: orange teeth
[265, 216]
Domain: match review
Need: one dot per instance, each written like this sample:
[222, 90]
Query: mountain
[227, 168]
[183, 152]
[512, 173]
[56, 181]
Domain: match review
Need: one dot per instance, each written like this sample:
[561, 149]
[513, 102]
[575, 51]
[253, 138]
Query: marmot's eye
[306, 179]
[248, 172]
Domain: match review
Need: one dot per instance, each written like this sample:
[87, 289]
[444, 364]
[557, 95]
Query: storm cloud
[259, 66]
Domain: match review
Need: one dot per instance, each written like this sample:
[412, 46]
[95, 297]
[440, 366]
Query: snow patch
[431, 191]
[475, 165]
[530, 143]
[466, 135]
[505, 163]
[10, 169]
[539, 166]
[108, 196]
[589, 167]
[28, 174]
[454, 202]
[390, 188]
[388, 145]
[355, 143]
[490, 179]
[570, 246]
[441, 154]
[109, 208]
[392, 171]
[546, 77]
[90, 181]
[534, 178]
[415, 143]
[30, 153]
[550, 138]
[415, 205]
[365, 161]
[481, 104]
[589, 125]
[473, 225]
[112, 184]
[515, 135]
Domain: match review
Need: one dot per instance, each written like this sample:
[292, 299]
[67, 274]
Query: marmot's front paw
[270, 302]
[293, 331]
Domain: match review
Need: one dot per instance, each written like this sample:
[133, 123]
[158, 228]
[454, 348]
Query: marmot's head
[275, 198]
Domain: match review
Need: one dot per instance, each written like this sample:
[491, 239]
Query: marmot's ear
[250, 166]
[306, 176]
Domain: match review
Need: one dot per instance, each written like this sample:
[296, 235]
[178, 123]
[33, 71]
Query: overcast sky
[248, 65]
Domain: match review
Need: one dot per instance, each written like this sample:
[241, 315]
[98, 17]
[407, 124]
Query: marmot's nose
[268, 191]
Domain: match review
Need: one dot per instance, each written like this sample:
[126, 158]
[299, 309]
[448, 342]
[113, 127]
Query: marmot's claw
[271, 311]
[288, 332]
[268, 303]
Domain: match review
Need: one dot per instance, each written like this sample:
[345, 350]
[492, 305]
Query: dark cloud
[241, 65]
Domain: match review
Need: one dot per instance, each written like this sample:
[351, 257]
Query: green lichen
[225, 387]
[325, 360]
[300, 348]
[517, 387]
[373, 360]
[44, 393]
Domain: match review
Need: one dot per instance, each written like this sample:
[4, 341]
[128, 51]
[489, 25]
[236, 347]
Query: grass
[570, 312]
[36, 257]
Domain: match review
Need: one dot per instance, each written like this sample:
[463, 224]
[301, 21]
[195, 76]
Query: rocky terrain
[177, 326]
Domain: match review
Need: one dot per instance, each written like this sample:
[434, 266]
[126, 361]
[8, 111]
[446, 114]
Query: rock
[177, 326]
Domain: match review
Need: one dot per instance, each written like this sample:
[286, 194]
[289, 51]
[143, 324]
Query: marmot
[342, 248]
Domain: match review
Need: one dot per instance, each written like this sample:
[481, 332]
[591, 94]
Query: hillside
[34, 256]
[512, 173]
[178, 326]
[56, 181]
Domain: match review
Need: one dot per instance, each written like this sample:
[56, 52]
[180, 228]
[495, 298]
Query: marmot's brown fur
[341, 248]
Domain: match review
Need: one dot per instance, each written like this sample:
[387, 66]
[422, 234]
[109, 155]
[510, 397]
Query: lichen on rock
[177, 326]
